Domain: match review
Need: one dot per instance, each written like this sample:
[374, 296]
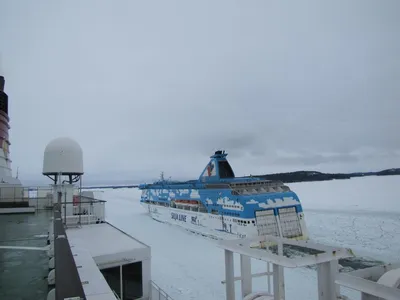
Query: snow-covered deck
[115, 247]
[105, 246]
[94, 285]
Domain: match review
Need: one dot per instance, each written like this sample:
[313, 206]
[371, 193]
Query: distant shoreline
[308, 176]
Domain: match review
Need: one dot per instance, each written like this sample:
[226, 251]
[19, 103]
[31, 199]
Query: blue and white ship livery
[242, 206]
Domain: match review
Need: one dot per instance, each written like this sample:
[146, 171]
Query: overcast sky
[146, 86]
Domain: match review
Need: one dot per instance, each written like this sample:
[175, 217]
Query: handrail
[161, 292]
[116, 295]
[68, 282]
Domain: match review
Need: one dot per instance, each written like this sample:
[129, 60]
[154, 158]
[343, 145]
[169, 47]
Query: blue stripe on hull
[223, 202]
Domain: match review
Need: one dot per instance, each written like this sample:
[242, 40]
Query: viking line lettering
[178, 217]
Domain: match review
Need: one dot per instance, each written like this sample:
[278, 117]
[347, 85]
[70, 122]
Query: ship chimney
[3, 97]
[2, 83]
[2, 80]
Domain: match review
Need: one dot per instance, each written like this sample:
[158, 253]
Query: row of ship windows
[199, 209]
[240, 222]
[157, 203]
[167, 204]
[228, 213]
[229, 205]
[233, 214]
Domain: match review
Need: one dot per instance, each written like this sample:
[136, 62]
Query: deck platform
[110, 262]
[114, 248]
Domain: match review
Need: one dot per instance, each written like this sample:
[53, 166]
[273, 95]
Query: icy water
[24, 273]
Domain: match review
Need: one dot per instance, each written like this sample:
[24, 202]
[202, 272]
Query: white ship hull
[201, 222]
[224, 227]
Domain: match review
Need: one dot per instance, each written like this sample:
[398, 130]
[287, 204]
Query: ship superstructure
[5, 161]
[11, 191]
[219, 201]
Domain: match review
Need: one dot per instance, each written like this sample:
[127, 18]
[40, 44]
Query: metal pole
[269, 277]
[121, 282]
[59, 200]
[278, 282]
[278, 276]
[65, 207]
[229, 275]
[80, 198]
[326, 282]
[245, 272]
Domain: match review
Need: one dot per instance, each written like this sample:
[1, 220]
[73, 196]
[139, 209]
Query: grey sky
[146, 86]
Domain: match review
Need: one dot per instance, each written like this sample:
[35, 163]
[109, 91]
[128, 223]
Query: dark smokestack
[2, 83]
[3, 96]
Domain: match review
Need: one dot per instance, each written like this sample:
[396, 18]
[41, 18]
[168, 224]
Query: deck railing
[13, 194]
[68, 283]
[88, 211]
[116, 295]
[41, 197]
[157, 293]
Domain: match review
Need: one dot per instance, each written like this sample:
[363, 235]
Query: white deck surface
[94, 284]
[107, 245]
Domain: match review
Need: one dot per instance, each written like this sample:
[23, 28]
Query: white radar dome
[63, 155]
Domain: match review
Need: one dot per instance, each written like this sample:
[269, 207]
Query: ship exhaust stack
[3, 97]
[2, 83]
[218, 168]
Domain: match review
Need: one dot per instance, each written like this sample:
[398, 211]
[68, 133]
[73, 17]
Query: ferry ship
[220, 202]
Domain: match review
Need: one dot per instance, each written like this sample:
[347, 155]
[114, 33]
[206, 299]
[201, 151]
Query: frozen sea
[360, 213]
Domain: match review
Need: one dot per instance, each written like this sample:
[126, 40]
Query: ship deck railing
[86, 212]
[38, 197]
[258, 187]
[271, 249]
[157, 293]
[256, 183]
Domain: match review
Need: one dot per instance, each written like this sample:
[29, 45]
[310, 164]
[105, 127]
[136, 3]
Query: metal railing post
[269, 277]
[80, 198]
[121, 282]
[65, 207]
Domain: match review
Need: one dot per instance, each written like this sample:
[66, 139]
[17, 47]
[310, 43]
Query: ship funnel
[2, 83]
[218, 168]
[2, 80]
